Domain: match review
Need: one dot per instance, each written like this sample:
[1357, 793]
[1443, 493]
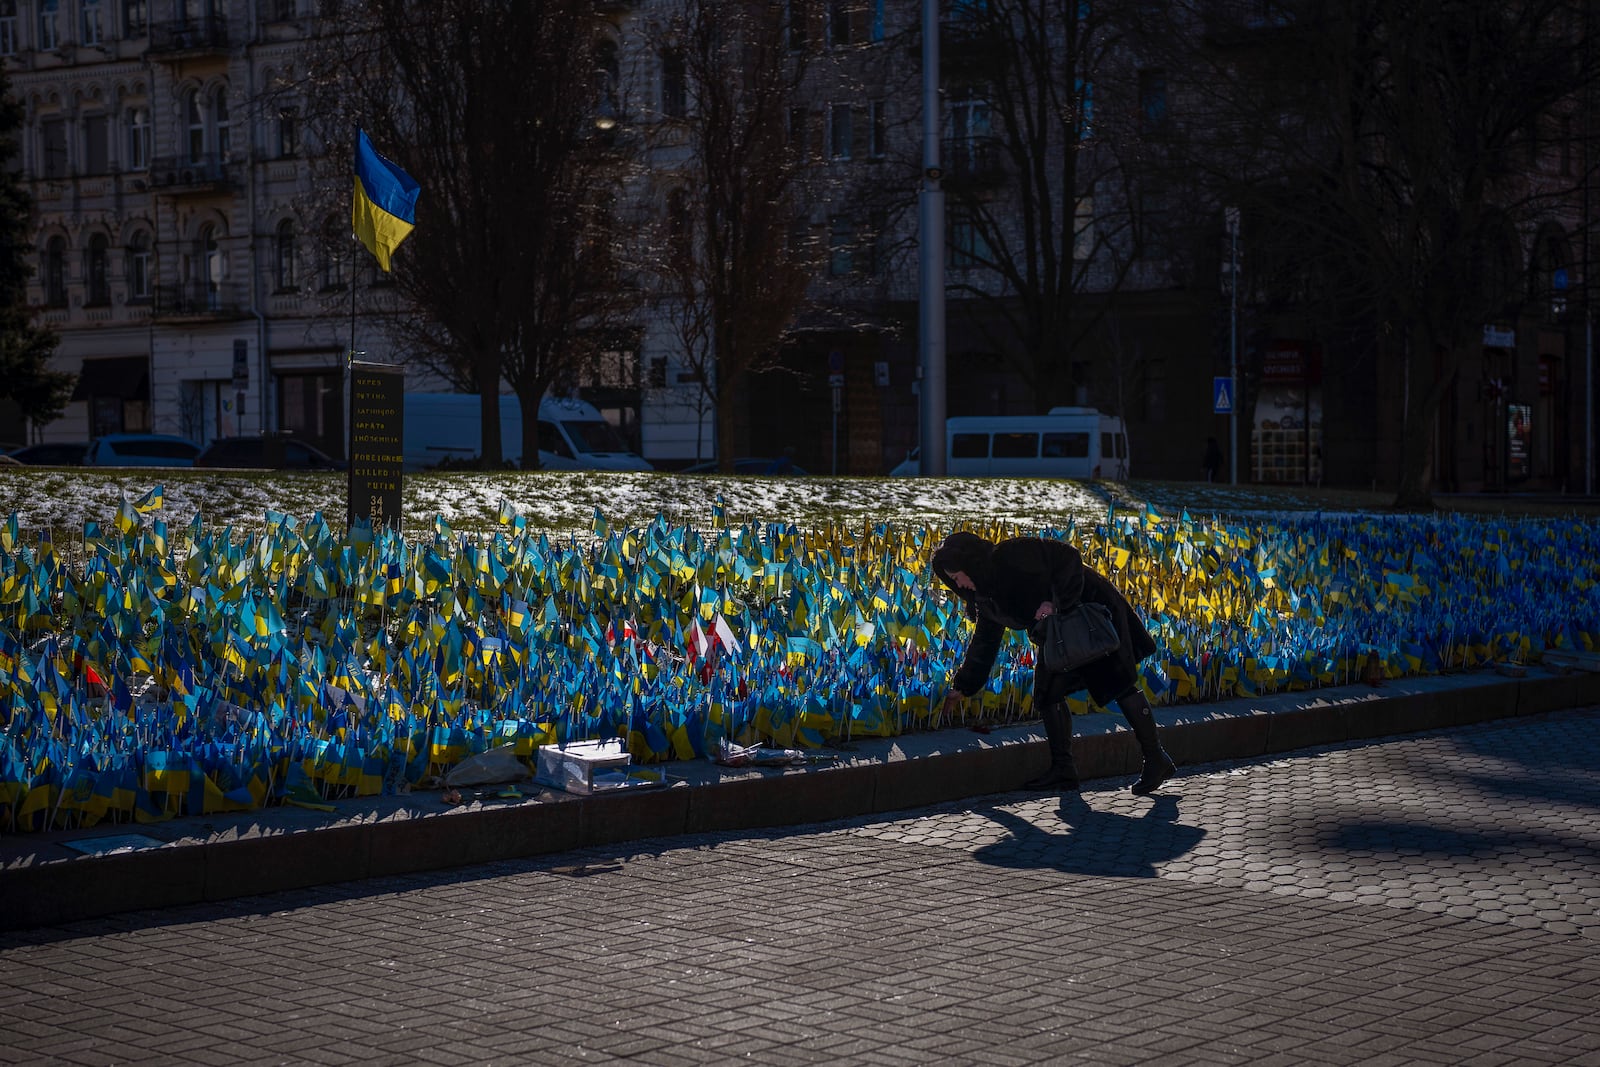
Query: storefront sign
[1498, 337]
[377, 442]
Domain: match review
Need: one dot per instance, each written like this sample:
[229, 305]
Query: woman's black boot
[1158, 766]
[1062, 775]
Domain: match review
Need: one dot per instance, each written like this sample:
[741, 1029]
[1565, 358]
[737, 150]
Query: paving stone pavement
[1428, 899]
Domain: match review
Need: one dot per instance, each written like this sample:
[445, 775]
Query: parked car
[53, 454]
[748, 465]
[267, 451]
[141, 450]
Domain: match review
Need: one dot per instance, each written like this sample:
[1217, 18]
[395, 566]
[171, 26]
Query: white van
[1069, 442]
[573, 435]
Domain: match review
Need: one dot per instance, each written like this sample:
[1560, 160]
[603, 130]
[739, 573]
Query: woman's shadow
[1094, 842]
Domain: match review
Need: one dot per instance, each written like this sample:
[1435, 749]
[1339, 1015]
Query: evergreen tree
[25, 349]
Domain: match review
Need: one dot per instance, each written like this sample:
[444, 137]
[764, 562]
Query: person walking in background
[1017, 583]
[1213, 459]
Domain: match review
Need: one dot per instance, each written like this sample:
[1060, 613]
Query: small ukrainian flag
[384, 209]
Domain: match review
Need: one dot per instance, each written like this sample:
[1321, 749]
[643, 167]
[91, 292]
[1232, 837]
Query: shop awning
[124, 377]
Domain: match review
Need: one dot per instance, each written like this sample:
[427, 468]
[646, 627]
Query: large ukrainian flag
[384, 209]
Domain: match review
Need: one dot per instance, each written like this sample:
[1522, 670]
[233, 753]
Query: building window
[839, 132]
[1152, 100]
[286, 253]
[8, 27]
[97, 291]
[335, 238]
[1083, 235]
[1155, 390]
[53, 147]
[139, 267]
[877, 238]
[839, 22]
[841, 246]
[1084, 91]
[674, 85]
[969, 117]
[1154, 225]
[49, 25]
[138, 138]
[877, 20]
[54, 272]
[288, 131]
[135, 18]
[965, 248]
[208, 259]
[91, 22]
[282, 10]
[195, 119]
[222, 120]
[96, 144]
[798, 28]
[877, 129]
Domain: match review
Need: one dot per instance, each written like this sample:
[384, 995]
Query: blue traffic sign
[1222, 396]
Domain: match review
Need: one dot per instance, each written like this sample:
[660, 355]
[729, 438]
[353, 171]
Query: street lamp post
[1231, 217]
[931, 253]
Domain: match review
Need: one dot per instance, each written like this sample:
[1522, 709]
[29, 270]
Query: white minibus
[1069, 442]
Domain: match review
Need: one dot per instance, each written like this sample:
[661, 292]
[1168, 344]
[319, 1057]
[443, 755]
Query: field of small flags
[148, 671]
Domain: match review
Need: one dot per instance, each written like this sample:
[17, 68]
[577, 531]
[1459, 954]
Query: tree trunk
[530, 430]
[490, 456]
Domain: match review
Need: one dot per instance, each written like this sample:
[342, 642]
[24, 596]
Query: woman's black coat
[1019, 575]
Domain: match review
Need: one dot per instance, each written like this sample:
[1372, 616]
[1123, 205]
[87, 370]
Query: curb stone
[45, 881]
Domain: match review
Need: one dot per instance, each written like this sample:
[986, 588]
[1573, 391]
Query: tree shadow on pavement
[1094, 842]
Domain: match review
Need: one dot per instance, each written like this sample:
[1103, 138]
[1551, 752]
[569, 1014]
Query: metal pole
[1233, 342]
[931, 223]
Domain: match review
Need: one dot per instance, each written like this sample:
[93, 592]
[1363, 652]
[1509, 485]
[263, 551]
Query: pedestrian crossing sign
[1222, 396]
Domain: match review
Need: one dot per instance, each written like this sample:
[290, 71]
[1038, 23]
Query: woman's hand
[1046, 608]
[952, 704]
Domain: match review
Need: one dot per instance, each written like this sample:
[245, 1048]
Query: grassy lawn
[560, 502]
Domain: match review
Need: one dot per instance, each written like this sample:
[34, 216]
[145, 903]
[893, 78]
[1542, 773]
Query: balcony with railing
[180, 175]
[197, 301]
[973, 160]
[188, 37]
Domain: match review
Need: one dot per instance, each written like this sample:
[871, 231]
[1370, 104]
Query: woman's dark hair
[965, 552]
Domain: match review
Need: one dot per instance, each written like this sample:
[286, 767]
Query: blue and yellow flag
[384, 208]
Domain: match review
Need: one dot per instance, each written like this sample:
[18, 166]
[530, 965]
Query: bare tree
[1043, 176]
[511, 272]
[733, 257]
[1387, 155]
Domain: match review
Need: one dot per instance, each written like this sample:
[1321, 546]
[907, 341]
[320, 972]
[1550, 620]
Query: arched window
[287, 251]
[97, 292]
[221, 119]
[139, 272]
[138, 120]
[195, 119]
[54, 272]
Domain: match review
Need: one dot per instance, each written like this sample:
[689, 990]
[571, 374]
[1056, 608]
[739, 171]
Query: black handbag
[1069, 639]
